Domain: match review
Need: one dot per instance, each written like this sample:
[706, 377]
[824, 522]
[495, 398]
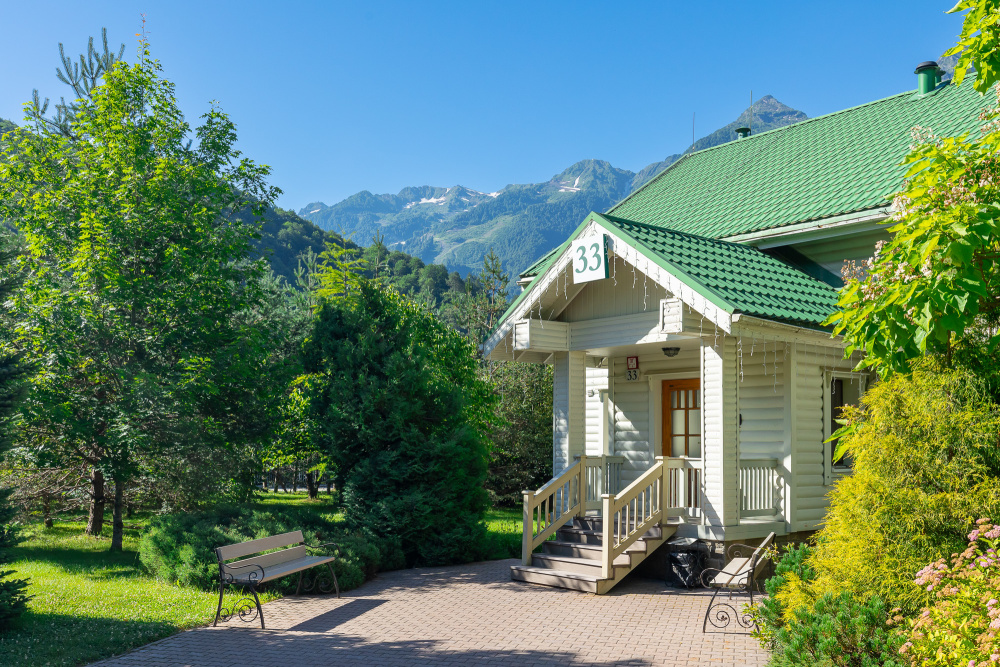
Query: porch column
[720, 402]
[569, 420]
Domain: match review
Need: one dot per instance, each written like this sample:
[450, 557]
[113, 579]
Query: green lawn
[90, 604]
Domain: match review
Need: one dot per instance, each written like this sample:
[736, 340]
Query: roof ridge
[753, 136]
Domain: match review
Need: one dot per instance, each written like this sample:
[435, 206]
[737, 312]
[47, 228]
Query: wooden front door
[681, 418]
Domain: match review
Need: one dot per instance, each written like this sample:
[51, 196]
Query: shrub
[924, 448]
[179, 547]
[962, 626]
[791, 571]
[838, 630]
[398, 405]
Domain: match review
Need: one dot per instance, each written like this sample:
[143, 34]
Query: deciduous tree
[139, 284]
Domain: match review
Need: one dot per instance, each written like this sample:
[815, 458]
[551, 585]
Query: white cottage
[695, 385]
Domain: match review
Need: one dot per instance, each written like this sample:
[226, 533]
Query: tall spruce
[397, 403]
[13, 599]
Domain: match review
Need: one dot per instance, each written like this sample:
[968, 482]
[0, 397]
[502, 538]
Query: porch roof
[733, 276]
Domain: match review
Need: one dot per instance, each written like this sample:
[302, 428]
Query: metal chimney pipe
[928, 75]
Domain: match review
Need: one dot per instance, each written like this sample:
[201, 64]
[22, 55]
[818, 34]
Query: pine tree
[13, 599]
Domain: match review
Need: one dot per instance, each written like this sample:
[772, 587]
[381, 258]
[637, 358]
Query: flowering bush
[962, 627]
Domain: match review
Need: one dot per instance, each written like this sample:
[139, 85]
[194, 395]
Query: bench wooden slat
[734, 574]
[266, 561]
[285, 569]
[263, 544]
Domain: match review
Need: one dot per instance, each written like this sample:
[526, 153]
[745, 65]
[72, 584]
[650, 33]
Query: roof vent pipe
[742, 132]
[928, 75]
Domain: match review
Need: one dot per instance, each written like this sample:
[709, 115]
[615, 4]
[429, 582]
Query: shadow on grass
[58, 639]
[75, 560]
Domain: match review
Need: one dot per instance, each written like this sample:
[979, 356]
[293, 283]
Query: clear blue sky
[340, 97]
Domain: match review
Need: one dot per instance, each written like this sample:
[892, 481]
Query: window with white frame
[842, 389]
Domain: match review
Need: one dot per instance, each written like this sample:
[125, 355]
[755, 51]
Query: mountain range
[457, 226]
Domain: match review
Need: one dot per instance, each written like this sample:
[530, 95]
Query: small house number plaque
[631, 369]
[590, 259]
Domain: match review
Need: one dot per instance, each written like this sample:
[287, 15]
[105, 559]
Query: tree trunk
[276, 475]
[117, 525]
[312, 485]
[329, 483]
[284, 484]
[295, 478]
[95, 521]
[47, 509]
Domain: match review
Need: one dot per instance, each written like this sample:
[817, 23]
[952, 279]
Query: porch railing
[628, 515]
[671, 488]
[555, 504]
[684, 489]
[760, 488]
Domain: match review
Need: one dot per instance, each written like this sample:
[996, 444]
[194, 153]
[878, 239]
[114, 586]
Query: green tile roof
[742, 277]
[831, 165]
[736, 277]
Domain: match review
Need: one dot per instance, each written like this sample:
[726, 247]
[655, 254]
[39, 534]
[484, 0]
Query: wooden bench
[252, 572]
[738, 576]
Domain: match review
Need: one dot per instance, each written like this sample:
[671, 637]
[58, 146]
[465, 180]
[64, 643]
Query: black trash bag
[684, 568]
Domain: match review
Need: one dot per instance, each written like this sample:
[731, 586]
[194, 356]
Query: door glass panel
[673, 399]
[677, 445]
[694, 447]
[697, 398]
[694, 422]
[677, 422]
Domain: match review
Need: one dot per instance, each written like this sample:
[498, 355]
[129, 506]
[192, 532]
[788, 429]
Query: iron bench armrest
[325, 544]
[739, 553]
[738, 580]
[251, 577]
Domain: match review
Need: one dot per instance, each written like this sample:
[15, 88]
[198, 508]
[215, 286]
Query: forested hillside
[456, 226]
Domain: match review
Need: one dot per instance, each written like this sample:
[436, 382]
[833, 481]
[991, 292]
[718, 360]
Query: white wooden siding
[560, 413]
[597, 382]
[535, 334]
[809, 492]
[762, 400]
[831, 253]
[615, 296]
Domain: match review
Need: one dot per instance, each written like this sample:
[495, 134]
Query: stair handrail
[629, 514]
[553, 513]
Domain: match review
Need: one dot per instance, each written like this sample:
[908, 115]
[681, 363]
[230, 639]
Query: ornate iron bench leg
[260, 612]
[298, 587]
[711, 603]
[332, 574]
[218, 610]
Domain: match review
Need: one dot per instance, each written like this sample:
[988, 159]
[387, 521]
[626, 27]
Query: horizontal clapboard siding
[597, 381]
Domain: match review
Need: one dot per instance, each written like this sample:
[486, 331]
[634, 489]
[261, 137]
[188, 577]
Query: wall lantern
[671, 351]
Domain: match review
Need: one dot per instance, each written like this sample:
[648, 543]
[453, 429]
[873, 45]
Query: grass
[91, 604]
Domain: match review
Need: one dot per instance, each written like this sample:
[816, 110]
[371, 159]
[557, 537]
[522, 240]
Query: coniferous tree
[13, 599]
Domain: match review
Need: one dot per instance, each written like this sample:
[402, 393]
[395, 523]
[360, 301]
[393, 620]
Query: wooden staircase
[594, 552]
[574, 559]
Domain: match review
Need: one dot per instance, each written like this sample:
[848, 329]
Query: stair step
[583, 550]
[559, 578]
[579, 565]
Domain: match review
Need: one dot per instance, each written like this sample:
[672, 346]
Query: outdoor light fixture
[671, 351]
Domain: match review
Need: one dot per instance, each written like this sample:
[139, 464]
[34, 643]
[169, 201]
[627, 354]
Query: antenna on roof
[692, 128]
[750, 124]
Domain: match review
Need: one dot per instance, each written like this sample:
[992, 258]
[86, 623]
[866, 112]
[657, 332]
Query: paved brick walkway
[464, 615]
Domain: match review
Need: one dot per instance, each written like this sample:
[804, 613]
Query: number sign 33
[590, 259]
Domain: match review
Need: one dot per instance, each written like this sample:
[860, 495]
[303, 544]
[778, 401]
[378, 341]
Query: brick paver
[464, 615]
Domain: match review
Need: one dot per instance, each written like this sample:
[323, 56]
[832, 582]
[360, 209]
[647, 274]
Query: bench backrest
[757, 558]
[232, 551]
